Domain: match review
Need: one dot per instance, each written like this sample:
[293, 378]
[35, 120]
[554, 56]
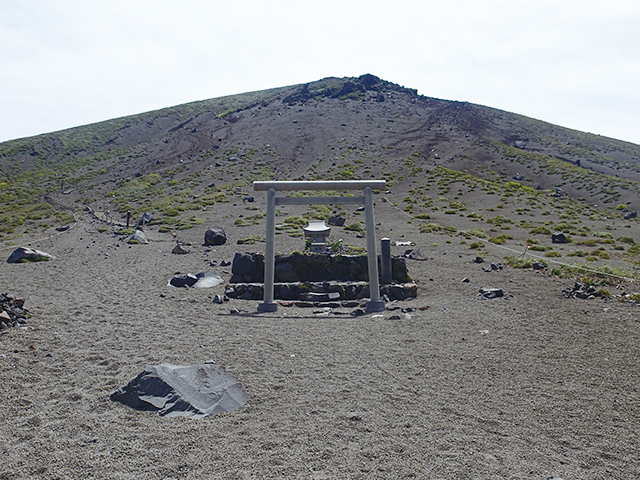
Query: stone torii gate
[367, 186]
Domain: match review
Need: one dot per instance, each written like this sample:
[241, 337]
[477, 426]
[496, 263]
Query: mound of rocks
[580, 290]
[12, 311]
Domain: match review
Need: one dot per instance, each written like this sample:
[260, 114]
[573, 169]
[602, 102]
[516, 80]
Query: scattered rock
[415, 254]
[188, 280]
[337, 220]
[206, 279]
[145, 219]
[219, 299]
[558, 237]
[465, 280]
[580, 290]
[12, 311]
[538, 266]
[179, 250]
[138, 237]
[491, 292]
[478, 260]
[494, 267]
[215, 236]
[26, 255]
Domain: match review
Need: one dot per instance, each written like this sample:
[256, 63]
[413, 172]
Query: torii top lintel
[320, 185]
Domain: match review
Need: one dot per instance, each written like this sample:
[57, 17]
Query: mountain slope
[178, 160]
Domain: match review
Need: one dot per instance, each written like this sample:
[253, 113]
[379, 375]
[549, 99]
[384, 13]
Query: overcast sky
[65, 63]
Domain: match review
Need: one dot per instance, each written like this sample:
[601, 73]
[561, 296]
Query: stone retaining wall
[315, 267]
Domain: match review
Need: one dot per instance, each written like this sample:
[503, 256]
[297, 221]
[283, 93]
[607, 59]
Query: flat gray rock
[26, 254]
[187, 391]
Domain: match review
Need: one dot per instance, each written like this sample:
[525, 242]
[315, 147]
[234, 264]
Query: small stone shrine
[318, 232]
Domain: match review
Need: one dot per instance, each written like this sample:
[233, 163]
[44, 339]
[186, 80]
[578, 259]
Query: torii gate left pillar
[367, 186]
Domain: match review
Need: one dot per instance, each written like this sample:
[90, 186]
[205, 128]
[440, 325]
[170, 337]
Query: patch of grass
[250, 240]
[521, 262]
[478, 233]
[249, 221]
[355, 227]
[499, 240]
[540, 231]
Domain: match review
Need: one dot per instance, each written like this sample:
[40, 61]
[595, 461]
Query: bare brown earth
[531, 385]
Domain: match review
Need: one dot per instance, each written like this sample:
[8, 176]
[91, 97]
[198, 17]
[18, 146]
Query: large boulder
[215, 236]
[26, 254]
[188, 391]
[337, 220]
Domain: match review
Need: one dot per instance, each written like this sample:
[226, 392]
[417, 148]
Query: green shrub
[521, 262]
[355, 227]
[540, 231]
[250, 240]
[499, 240]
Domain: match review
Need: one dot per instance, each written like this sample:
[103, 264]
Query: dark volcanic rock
[12, 311]
[491, 292]
[188, 280]
[215, 236]
[337, 220]
[558, 237]
[145, 219]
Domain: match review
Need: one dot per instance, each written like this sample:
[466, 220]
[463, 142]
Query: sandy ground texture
[528, 386]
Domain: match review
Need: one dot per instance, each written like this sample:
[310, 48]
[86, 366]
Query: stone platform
[321, 292]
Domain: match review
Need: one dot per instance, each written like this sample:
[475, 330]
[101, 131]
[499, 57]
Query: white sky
[65, 63]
